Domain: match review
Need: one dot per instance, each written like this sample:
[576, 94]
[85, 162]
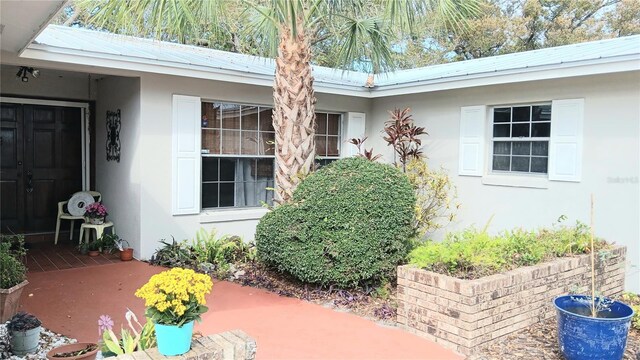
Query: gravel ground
[48, 340]
[540, 342]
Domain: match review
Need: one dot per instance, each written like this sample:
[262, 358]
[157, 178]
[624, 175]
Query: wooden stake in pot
[593, 266]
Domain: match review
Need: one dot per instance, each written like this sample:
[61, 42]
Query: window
[238, 153]
[521, 138]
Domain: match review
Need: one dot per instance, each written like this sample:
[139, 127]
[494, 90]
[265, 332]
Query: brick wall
[464, 314]
[230, 345]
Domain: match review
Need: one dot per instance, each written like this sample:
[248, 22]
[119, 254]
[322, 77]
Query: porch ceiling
[21, 21]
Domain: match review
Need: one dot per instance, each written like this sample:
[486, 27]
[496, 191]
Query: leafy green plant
[473, 253]
[348, 224]
[23, 321]
[139, 337]
[109, 242]
[219, 252]
[86, 246]
[12, 270]
[173, 254]
[633, 300]
[435, 197]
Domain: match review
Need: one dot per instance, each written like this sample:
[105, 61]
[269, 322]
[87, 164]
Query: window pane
[539, 165]
[501, 163]
[521, 148]
[541, 130]
[209, 169]
[520, 130]
[520, 163]
[332, 146]
[227, 169]
[250, 142]
[209, 195]
[210, 141]
[249, 118]
[230, 142]
[502, 147]
[540, 148]
[266, 121]
[541, 113]
[333, 124]
[227, 195]
[321, 146]
[267, 145]
[501, 130]
[265, 169]
[210, 118]
[321, 123]
[502, 115]
[230, 116]
[521, 113]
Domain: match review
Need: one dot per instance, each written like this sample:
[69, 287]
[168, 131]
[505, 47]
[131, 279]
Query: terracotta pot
[73, 347]
[10, 300]
[126, 254]
[94, 253]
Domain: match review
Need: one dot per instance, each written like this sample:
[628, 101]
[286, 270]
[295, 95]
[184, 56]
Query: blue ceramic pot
[582, 337]
[174, 340]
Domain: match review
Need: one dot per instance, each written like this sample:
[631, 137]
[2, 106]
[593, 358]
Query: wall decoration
[113, 135]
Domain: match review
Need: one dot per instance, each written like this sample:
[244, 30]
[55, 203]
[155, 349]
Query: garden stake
[593, 262]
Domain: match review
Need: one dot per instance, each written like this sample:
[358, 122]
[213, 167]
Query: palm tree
[286, 30]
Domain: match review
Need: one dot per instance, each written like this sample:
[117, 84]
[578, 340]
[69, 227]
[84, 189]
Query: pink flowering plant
[95, 211]
[137, 337]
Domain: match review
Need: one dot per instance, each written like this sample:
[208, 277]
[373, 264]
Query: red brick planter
[465, 314]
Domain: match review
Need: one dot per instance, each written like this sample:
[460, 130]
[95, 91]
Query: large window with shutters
[238, 152]
[520, 142]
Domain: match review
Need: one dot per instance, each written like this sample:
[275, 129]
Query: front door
[40, 164]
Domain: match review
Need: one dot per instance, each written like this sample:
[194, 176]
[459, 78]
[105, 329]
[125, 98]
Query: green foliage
[435, 197]
[140, 337]
[206, 253]
[633, 300]
[472, 253]
[348, 224]
[12, 270]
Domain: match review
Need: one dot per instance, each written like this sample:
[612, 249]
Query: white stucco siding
[156, 220]
[119, 182]
[51, 84]
[610, 158]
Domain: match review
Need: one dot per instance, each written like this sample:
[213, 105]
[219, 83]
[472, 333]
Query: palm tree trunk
[294, 113]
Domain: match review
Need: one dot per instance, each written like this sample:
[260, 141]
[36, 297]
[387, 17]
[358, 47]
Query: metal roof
[99, 44]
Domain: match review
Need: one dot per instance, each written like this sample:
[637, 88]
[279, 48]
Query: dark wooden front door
[40, 164]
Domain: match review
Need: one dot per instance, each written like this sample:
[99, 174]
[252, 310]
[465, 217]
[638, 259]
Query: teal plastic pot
[174, 340]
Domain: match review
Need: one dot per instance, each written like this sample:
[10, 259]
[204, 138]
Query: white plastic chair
[66, 216]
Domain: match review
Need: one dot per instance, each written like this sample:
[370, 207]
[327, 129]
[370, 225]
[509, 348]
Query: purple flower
[104, 323]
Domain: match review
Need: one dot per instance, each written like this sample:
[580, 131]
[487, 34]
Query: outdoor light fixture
[24, 71]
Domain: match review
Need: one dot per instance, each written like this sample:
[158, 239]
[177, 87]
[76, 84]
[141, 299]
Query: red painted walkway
[70, 302]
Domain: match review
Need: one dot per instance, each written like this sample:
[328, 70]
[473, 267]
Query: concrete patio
[70, 302]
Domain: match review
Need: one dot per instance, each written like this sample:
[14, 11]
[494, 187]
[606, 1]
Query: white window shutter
[472, 139]
[353, 127]
[186, 155]
[565, 147]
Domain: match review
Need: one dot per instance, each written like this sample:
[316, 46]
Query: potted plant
[14, 274]
[108, 242]
[77, 351]
[90, 247]
[24, 331]
[592, 327]
[140, 337]
[173, 309]
[126, 252]
[95, 213]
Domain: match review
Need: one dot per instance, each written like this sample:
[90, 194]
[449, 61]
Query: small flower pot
[25, 342]
[93, 253]
[96, 221]
[66, 352]
[174, 340]
[126, 254]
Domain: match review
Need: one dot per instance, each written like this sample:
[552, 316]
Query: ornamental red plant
[402, 134]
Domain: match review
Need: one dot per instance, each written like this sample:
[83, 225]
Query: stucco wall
[119, 182]
[611, 161]
[49, 84]
[155, 166]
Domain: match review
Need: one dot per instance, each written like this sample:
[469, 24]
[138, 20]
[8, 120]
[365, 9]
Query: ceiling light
[23, 73]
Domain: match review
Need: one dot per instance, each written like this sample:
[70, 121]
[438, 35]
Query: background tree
[356, 31]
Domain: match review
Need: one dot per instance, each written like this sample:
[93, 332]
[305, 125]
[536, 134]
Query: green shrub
[349, 223]
[472, 253]
[12, 270]
[633, 300]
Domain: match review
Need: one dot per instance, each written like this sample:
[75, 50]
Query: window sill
[516, 181]
[227, 215]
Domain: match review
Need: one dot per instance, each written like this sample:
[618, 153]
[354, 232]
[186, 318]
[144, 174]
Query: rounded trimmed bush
[349, 223]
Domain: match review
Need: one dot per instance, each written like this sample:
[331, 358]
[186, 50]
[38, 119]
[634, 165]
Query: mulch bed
[540, 342]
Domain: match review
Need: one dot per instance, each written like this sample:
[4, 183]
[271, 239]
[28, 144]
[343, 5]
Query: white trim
[42, 26]
[84, 123]
[232, 214]
[524, 181]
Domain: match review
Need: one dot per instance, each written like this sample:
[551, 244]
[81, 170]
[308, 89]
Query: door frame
[84, 118]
